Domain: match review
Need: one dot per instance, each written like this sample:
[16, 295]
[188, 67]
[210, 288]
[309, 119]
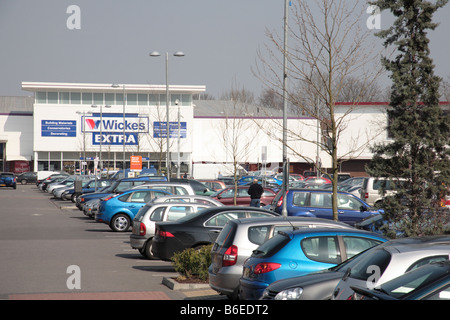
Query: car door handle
[312, 210]
[341, 212]
[216, 230]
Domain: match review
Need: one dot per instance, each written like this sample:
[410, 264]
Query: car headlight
[290, 294]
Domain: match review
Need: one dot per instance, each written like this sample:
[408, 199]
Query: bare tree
[328, 46]
[235, 132]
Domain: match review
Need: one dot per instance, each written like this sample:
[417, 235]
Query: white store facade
[69, 125]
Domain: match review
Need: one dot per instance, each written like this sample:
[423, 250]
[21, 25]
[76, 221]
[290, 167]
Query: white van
[371, 190]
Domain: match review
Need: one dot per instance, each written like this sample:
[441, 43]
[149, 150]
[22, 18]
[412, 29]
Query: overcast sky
[220, 40]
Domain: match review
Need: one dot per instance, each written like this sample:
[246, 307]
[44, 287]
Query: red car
[226, 196]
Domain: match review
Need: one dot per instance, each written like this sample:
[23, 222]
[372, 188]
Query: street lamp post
[176, 54]
[101, 134]
[123, 111]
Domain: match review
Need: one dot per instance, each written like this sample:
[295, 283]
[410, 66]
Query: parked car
[372, 188]
[317, 180]
[47, 175]
[198, 230]
[187, 198]
[392, 259]
[428, 282]
[120, 209]
[313, 286]
[240, 237]
[264, 180]
[27, 177]
[86, 187]
[8, 179]
[214, 185]
[199, 188]
[300, 252]
[143, 226]
[117, 186]
[171, 187]
[226, 196]
[317, 203]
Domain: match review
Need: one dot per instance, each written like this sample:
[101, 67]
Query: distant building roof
[224, 108]
[19, 105]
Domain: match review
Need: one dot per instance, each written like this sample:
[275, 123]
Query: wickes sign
[114, 123]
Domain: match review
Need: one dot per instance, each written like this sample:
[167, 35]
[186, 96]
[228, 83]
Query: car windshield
[414, 280]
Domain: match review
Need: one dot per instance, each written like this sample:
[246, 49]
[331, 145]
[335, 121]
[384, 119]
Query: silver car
[188, 198]
[390, 260]
[240, 237]
[171, 187]
[144, 223]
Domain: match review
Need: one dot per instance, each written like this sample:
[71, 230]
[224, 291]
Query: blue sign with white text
[58, 128]
[114, 139]
[160, 129]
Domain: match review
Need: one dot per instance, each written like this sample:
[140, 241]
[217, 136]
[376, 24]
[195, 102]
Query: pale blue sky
[220, 40]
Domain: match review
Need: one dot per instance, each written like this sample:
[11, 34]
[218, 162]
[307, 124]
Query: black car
[197, 230]
[27, 177]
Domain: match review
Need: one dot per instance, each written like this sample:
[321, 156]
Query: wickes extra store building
[79, 125]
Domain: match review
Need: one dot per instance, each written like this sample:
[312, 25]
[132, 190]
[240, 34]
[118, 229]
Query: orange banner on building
[136, 163]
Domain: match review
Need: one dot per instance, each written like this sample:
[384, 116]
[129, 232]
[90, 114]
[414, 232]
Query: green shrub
[193, 263]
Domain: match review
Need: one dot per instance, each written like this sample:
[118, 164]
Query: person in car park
[255, 191]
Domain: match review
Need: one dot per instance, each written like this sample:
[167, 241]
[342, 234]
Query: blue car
[245, 180]
[116, 187]
[119, 210]
[301, 252]
[317, 203]
[8, 179]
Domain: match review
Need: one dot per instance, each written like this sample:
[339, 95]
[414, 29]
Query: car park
[240, 237]
[119, 210]
[27, 177]
[8, 179]
[317, 203]
[428, 282]
[143, 225]
[392, 259]
[226, 196]
[300, 252]
[195, 231]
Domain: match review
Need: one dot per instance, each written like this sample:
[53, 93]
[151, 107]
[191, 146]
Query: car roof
[411, 244]
[274, 219]
[334, 230]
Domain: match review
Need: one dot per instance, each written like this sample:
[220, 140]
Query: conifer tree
[418, 155]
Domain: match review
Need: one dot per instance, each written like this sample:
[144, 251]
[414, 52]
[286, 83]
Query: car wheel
[147, 250]
[120, 223]
[23, 181]
[74, 197]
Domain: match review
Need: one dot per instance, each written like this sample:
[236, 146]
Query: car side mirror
[362, 209]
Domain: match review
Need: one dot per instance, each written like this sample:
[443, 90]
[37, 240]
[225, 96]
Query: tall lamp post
[101, 134]
[176, 54]
[123, 111]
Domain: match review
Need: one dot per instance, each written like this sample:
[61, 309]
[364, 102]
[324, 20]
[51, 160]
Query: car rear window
[227, 234]
[272, 246]
[380, 258]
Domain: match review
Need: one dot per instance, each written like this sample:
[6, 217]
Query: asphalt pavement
[50, 251]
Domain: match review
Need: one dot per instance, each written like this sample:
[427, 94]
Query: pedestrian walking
[255, 191]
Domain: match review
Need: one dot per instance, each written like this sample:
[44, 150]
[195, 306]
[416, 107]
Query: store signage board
[58, 128]
[160, 129]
